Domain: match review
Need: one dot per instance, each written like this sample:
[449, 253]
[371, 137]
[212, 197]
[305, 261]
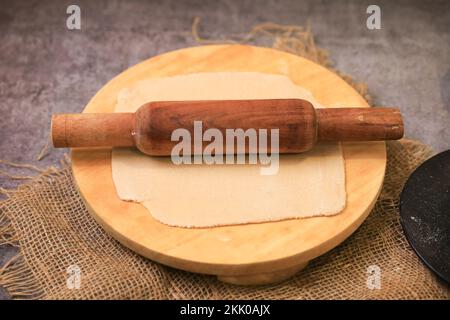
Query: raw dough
[308, 184]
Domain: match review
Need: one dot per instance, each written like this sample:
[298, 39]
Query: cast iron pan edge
[425, 213]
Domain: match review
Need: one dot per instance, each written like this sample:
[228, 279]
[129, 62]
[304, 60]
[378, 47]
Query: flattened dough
[308, 184]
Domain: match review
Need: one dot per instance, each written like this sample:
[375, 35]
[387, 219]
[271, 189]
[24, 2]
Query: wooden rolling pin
[299, 124]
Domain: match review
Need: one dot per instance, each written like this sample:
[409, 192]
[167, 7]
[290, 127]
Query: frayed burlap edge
[16, 275]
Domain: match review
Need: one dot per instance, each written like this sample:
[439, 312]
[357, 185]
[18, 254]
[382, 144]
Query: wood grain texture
[93, 130]
[298, 124]
[243, 251]
[356, 124]
[294, 119]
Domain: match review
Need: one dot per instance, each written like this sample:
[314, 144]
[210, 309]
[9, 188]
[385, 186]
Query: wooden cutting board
[245, 254]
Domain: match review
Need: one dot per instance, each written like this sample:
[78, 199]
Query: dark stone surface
[46, 68]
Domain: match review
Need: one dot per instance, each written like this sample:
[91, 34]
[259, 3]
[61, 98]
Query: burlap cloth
[49, 223]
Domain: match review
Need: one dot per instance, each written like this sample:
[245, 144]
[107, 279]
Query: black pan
[425, 213]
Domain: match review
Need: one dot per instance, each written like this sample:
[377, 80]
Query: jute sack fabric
[58, 239]
[47, 219]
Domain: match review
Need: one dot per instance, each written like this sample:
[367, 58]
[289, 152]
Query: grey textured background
[46, 68]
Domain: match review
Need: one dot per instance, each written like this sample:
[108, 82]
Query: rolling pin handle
[359, 124]
[93, 130]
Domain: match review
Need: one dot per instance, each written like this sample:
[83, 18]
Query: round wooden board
[245, 254]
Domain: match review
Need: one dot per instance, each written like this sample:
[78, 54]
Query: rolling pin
[300, 124]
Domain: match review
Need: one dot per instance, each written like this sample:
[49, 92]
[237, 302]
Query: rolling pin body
[299, 124]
